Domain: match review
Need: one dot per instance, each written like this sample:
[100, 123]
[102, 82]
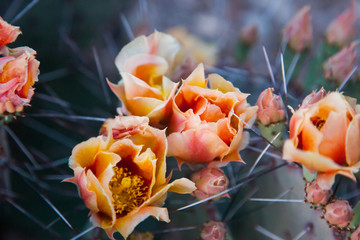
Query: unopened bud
[316, 195]
[339, 213]
[342, 29]
[213, 230]
[298, 32]
[249, 34]
[340, 65]
[271, 107]
[210, 181]
[313, 97]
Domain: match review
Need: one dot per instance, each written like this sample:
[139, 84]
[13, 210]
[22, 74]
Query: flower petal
[353, 141]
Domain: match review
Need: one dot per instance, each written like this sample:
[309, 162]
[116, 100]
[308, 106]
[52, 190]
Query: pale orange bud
[271, 107]
[313, 97]
[298, 32]
[340, 65]
[213, 230]
[317, 195]
[342, 29]
[8, 33]
[249, 34]
[209, 181]
[339, 213]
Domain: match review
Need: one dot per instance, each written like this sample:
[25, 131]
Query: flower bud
[249, 34]
[317, 195]
[342, 29]
[298, 32]
[213, 230]
[313, 97]
[271, 107]
[209, 181]
[8, 33]
[340, 65]
[339, 213]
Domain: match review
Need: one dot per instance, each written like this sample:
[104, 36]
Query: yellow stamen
[128, 191]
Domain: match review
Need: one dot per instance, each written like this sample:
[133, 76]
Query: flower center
[318, 122]
[128, 191]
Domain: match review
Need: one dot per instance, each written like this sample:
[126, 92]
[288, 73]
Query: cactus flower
[298, 32]
[316, 195]
[341, 30]
[120, 175]
[203, 127]
[249, 34]
[340, 65]
[339, 213]
[271, 107]
[18, 73]
[324, 137]
[8, 33]
[209, 181]
[145, 89]
[213, 230]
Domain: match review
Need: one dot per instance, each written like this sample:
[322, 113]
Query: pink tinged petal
[353, 141]
[212, 113]
[146, 162]
[197, 77]
[195, 146]
[334, 134]
[82, 182]
[126, 225]
[8, 33]
[7, 86]
[326, 180]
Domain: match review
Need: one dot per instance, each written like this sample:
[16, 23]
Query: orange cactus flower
[120, 175]
[145, 89]
[298, 32]
[18, 73]
[341, 30]
[206, 123]
[8, 33]
[325, 137]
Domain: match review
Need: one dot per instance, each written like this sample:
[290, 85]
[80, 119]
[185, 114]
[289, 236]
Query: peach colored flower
[271, 107]
[18, 73]
[340, 65]
[210, 181]
[144, 64]
[339, 213]
[316, 195]
[342, 29]
[298, 32]
[325, 137]
[213, 230]
[249, 34]
[8, 33]
[120, 175]
[207, 123]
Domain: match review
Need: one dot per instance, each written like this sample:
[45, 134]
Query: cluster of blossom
[174, 110]
[18, 73]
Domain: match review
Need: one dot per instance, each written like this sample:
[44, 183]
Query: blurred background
[76, 43]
